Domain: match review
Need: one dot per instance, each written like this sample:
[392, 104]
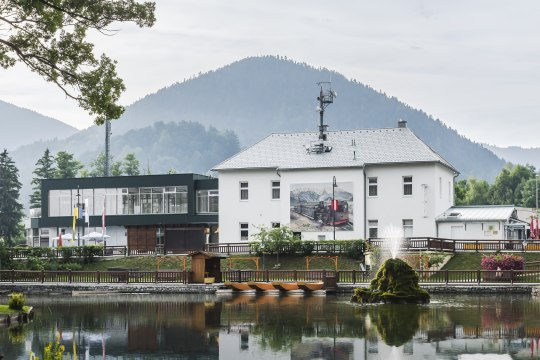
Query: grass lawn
[472, 260]
[5, 310]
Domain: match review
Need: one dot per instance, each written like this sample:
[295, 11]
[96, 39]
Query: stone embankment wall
[459, 289]
[37, 288]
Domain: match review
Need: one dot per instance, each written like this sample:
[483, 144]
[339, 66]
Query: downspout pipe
[365, 201]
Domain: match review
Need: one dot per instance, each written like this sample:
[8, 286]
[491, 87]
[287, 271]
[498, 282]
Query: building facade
[482, 222]
[354, 184]
[167, 213]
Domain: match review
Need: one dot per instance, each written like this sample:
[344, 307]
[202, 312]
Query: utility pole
[107, 164]
[334, 185]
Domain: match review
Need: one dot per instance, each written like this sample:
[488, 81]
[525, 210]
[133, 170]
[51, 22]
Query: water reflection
[276, 327]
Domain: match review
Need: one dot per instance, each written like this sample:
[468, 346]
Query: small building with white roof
[483, 222]
[378, 177]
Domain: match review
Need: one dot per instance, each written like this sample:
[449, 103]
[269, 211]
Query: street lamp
[536, 183]
[334, 185]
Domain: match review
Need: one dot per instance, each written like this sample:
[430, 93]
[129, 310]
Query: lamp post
[334, 185]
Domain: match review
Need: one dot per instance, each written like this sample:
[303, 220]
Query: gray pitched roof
[350, 148]
[477, 213]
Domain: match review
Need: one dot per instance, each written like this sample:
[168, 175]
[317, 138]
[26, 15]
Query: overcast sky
[473, 64]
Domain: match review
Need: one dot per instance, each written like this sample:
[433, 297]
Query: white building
[383, 177]
[485, 222]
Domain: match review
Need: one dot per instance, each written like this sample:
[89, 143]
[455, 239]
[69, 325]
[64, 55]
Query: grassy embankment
[287, 262]
[472, 261]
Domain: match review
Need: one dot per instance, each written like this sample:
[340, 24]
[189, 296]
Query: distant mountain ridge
[246, 101]
[517, 155]
[260, 95]
[22, 126]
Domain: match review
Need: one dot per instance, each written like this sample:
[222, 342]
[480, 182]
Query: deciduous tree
[50, 38]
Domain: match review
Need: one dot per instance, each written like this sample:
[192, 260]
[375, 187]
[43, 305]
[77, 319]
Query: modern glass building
[166, 213]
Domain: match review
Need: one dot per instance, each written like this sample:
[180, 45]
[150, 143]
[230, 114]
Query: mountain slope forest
[256, 96]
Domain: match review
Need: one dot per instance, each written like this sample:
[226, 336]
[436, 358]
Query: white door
[457, 232]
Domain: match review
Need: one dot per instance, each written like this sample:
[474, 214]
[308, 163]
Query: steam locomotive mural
[312, 208]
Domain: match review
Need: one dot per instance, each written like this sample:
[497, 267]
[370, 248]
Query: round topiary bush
[16, 301]
[395, 282]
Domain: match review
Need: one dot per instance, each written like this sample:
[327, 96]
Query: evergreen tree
[10, 208]
[44, 170]
[460, 192]
[66, 166]
[98, 167]
[116, 168]
[131, 165]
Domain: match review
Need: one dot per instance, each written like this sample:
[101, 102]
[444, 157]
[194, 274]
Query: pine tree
[10, 208]
[66, 166]
[44, 170]
[131, 165]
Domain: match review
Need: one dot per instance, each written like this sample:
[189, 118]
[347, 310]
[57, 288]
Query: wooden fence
[95, 277]
[343, 276]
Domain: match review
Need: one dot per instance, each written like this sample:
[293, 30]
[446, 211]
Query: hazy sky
[473, 64]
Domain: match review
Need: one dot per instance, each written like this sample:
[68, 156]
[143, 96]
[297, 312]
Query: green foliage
[10, 208]
[66, 166]
[50, 39]
[275, 240]
[44, 170]
[395, 282]
[54, 351]
[131, 165]
[35, 263]
[435, 260]
[16, 301]
[515, 185]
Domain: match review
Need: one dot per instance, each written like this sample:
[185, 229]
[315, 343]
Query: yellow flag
[75, 217]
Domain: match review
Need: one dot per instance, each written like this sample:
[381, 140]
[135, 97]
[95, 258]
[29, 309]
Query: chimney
[402, 123]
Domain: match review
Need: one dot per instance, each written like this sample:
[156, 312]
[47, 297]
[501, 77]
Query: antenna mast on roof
[326, 97]
[107, 164]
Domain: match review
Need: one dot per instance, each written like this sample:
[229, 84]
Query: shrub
[502, 262]
[16, 301]
[35, 263]
[70, 266]
[307, 248]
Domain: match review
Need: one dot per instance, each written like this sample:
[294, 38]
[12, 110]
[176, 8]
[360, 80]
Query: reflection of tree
[396, 323]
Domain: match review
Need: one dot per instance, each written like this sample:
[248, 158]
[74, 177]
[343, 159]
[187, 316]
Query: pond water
[249, 326]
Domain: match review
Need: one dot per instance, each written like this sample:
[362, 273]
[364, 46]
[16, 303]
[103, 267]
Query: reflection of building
[392, 178]
[174, 212]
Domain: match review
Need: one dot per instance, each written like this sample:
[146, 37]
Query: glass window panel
[130, 201]
[99, 201]
[66, 208]
[54, 203]
[157, 200]
[146, 200]
[213, 206]
[111, 202]
[182, 203]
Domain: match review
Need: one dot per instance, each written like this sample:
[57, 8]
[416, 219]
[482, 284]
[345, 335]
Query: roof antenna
[326, 97]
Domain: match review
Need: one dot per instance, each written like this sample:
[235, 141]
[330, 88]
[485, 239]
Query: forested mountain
[257, 96]
[517, 155]
[161, 147]
[22, 126]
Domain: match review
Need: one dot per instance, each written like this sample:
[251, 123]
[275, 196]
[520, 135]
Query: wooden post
[42, 276]
[454, 246]
[156, 274]
[476, 246]
[478, 276]
[354, 276]
[127, 276]
[98, 276]
[446, 276]
[12, 275]
[69, 276]
[295, 275]
[266, 277]
[511, 276]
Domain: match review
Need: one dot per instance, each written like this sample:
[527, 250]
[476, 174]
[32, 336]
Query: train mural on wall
[312, 209]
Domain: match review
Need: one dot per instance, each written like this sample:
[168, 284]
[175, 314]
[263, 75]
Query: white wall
[391, 207]
[460, 230]
[261, 210]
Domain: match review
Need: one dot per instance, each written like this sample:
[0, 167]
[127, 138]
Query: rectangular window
[244, 231]
[146, 200]
[407, 228]
[157, 200]
[207, 201]
[440, 187]
[175, 199]
[372, 185]
[130, 202]
[373, 226]
[407, 185]
[244, 190]
[275, 225]
[275, 190]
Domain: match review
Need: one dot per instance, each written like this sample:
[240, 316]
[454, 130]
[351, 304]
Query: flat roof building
[164, 213]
